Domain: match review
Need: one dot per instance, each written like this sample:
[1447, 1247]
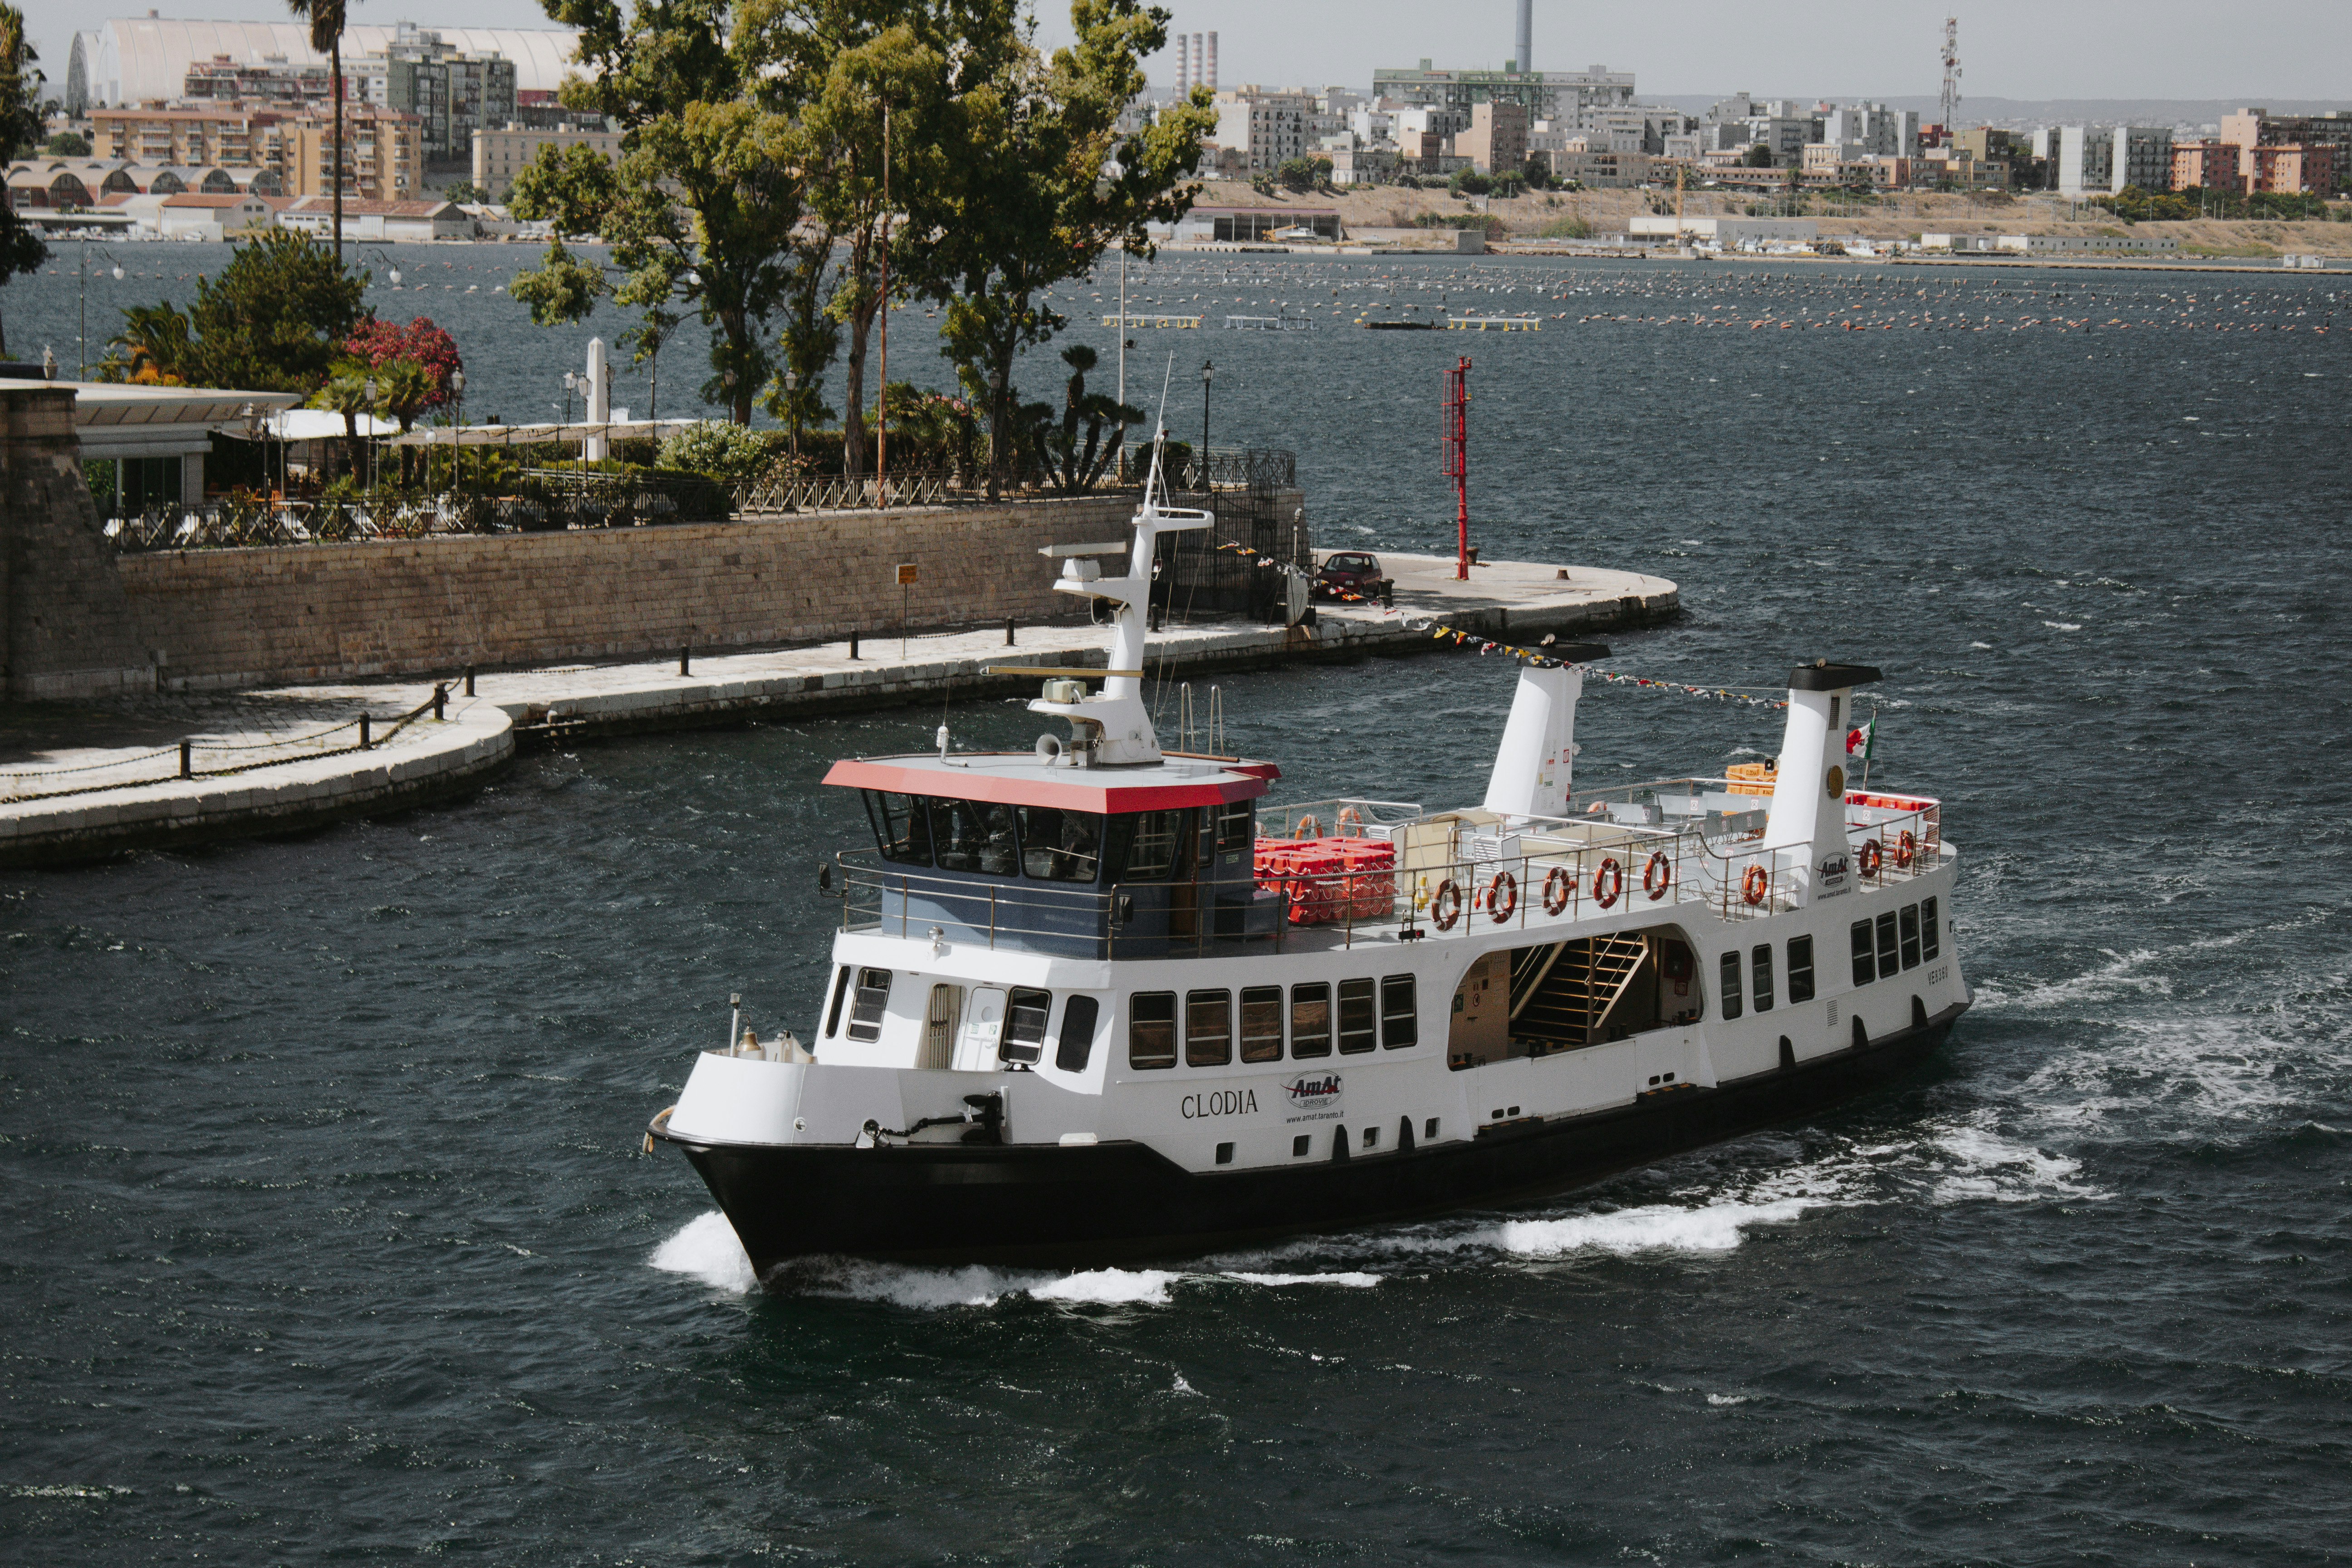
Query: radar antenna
[1951, 102]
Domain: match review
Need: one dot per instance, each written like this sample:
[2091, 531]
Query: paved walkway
[82, 780]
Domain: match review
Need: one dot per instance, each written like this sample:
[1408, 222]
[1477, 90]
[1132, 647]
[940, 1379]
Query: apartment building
[228, 134]
[1269, 129]
[272, 81]
[1545, 94]
[453, 94]
[1497, 140]
[2259, 127]
[2205, 165]
[500, 154]
[383, 154]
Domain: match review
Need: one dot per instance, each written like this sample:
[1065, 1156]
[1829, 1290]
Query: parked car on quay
[1349, 572]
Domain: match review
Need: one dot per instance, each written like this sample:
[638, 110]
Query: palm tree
[407, 388]
[153, 347]
[327, 18]
[346, 392]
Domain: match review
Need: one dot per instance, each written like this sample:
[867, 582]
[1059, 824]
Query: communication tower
[1951, 104]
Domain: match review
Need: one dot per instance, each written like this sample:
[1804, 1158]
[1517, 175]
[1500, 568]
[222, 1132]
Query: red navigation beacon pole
[1458, 460]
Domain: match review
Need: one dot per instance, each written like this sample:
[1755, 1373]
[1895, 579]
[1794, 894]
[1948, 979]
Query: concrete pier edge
[482, 734]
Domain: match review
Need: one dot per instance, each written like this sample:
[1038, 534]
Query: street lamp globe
[118, 272]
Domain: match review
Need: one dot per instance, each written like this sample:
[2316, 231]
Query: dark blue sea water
[330, 1240]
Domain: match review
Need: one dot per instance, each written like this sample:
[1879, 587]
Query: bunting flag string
[1441, 632]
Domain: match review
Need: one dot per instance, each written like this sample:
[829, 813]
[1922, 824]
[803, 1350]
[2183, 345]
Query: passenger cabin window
[1208, 1028]
[1910, 929]
[1865, 968]
[1025, 1012]
[873, 1001]
[1399, 1020]
[1236, 825]
[1261, 1023]
[1760, 974]
[972, 835]
[1729, 984]
[1931, 943]
[1059, 846]
[1800, 969]
[1310, 1019]
[902, 827]
[1152, 1029]
[1889, 947]
[1077, 1037]
[1359, 1018]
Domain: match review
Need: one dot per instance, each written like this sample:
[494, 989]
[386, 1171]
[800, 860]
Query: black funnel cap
[1822, 676]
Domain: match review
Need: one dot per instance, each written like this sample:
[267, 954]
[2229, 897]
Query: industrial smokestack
[1212, 62]
[1527, 35]
[1183, 66]
[1200, 63]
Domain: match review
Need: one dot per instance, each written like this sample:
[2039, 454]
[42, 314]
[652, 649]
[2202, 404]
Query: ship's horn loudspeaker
[1049, 750]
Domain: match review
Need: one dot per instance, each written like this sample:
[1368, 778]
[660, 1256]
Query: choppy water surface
[330, 1236]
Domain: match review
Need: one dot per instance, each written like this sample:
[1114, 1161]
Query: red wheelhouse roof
[1018, 778]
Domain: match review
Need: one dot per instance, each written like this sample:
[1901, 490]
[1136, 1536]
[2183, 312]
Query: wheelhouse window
[1310, 1019]
[1729, 969]
[1890, 960]
[902, 827]
[1236, 825]
[1059, 846]
[1077, 1041]
[1800, 969]
[1931, 943]
[1359, 1018]
[873, 1001]
[1208, 1028]
[1910, 930]
[1865, 964]
[1153, 839]
[1400, 1018]
[840, 995]
[1760, 974]
[972, 835]
[1025, 1013]
[1261, 1023]
[1152, 1029]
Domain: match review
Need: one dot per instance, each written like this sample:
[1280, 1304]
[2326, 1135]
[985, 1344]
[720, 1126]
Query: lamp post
[458, 459]
[371, 414]
[793, 403]
[1208, 369]
[81, 268]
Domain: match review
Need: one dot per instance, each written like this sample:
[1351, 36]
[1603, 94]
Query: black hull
[1016, 1204]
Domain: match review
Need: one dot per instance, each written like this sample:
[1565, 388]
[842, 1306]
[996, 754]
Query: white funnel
[1537, 761]
[1808, 816]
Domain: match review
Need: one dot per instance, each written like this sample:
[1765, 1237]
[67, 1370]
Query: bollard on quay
[853, 644]
[187, 759]
[1008, 632]
[364, 742]
[440, 699]
[470, 681]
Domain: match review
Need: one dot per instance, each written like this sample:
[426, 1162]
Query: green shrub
[723, 451]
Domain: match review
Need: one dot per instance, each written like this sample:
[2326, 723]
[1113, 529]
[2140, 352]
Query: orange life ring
[1873, 856]
[1446, 908]
[1349, 813]
[1608, 883]
[1503, 897]
[1906, 848]
[1557, 885]
[1754, 883]
[1308, 827]
[1657, 876]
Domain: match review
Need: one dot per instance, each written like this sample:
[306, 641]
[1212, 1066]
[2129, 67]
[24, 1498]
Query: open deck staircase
[1562, 995]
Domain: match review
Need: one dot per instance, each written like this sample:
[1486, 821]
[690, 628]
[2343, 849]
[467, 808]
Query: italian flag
[1863, 743]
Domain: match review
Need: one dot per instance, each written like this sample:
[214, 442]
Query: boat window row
[1047, 844]
[1734, 996]
[1210, 1029]
[1896, 940]
[864, 992]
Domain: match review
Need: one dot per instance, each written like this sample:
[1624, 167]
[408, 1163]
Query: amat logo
[1830, 877]
[1313, 1097]
[1219, 1102]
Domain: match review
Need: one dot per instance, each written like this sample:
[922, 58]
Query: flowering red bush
[379, 342]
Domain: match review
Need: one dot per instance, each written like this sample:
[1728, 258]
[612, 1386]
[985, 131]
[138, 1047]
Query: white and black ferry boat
[1100, 1001]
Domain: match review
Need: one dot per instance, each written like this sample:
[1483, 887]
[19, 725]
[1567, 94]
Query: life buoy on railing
[1873, 856]
[1350, 816]
[1557, 885]
[1754, 883]
[1446, 908]
[1308, 827]
[1657, 876]
[1503, 897]
[1608, 883]
[1906, 848]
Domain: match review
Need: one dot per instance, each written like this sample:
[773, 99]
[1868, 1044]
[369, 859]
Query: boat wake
[1942, 1161]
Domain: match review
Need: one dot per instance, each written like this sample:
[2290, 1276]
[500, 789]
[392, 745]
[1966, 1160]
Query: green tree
[1040, 186]
[153, 348]
[67, 144]
[465, 192]
[702, 204]
[277, 318]
[327, 18]
[21, 249]
[1758, 156]
[346, 392]
[1075, 461]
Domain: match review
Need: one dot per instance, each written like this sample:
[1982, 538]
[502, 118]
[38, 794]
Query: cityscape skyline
[1851, 50]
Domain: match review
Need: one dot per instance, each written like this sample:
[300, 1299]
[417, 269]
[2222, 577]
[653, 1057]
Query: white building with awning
[160, 435]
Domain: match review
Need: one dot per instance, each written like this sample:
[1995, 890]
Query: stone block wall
[82, 620]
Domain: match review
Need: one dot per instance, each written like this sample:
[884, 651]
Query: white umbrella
[324, 425]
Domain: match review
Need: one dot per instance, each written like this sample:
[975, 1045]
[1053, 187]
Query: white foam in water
[1357, 1280]
[707, 1249]
[1109, 1286]
[1658, 1228]
[1985, 1165]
